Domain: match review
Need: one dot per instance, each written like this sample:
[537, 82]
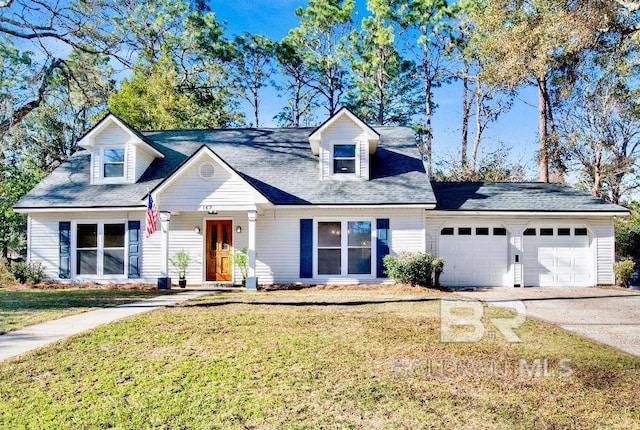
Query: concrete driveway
[608, 316]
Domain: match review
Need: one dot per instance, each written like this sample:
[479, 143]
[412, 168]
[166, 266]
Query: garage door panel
[474, 260]
[557, 261]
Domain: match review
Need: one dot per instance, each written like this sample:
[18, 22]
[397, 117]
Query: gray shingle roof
[517, 196]
[278, 162]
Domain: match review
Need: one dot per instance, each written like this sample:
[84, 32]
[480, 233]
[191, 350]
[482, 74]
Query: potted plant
[240, 259]
[180, 262]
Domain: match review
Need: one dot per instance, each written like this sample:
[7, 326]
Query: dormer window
[344, 159]
[113, 164]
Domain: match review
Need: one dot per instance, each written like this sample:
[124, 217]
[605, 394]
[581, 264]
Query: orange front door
[219, 251]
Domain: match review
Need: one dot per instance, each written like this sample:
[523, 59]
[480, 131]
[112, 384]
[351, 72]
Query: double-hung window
[100, 249]
[344, 159]
[344, 248]
[113, 163]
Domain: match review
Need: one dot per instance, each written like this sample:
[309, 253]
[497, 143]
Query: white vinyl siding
[598, 255]
[278, 240]
[137, 159]
[605, 250]
[44, 240]
[189, 191]
[142, 161]
[344, 131]
[110, 137]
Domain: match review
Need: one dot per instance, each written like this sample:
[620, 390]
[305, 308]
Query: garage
[557, 257]
[474, 256]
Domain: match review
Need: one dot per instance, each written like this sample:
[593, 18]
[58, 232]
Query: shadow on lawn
[310, 303]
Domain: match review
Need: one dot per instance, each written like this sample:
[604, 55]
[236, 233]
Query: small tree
[240, 259]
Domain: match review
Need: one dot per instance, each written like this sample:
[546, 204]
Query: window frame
[344, 248]
[100, 248]
[103, 163]
[355, 158]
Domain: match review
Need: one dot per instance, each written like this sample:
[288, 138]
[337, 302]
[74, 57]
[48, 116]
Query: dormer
[119, 153]
[344, 144]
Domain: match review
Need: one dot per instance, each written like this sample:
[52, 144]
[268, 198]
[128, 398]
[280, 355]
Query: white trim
[316, 137]
[206, 151]
[99, 251]
[87, 140]
[525, 214]
[356, 158]
[362, 206]
[344, 248]
[81, 209]
[125, 163]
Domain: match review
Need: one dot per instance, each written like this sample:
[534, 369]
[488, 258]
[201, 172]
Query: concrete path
[608, 316]
[20, 341]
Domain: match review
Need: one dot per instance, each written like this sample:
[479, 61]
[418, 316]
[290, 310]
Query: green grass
[23, 307]
[314, 360]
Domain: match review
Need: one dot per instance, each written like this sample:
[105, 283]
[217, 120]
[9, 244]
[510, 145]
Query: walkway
[29, 338]
[608, 316]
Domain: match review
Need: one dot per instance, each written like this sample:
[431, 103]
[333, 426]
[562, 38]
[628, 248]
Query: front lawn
[316, 359]
[23, 307]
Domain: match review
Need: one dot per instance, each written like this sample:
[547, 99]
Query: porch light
[238, 229]
[196, 229]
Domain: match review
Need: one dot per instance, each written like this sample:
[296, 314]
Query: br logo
[461, 320]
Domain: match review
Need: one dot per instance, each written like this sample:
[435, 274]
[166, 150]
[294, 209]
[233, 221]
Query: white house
[312, 206]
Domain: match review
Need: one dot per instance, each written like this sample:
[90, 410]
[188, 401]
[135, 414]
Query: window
[344, 248]
[464, 231]
[530, 232]
[564, 232]
[87, 249]
[359, 247]
[546, 232]
[447, 231]
[580, 232]
[100, 249]
[113, 164]
[329, 248]
[113, 253]
[498, 231]
[482, 231]
[344, 159]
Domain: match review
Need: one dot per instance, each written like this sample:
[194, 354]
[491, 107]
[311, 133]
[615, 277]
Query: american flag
[152, 218]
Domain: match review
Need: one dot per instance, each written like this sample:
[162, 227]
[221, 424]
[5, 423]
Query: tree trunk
[479, 128]
[466, 108]
[543, 156]
[429, 132]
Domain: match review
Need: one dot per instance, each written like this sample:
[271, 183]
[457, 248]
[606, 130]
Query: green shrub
[414, 268]
[623, 271]
[28, 273]
[6, 277]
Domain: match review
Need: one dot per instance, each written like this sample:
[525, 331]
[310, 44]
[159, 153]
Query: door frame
[203, 229]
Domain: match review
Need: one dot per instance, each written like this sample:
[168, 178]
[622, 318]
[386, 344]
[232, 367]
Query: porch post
[252, 281]
[164, 281]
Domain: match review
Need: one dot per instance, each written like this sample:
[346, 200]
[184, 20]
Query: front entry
[219, 245]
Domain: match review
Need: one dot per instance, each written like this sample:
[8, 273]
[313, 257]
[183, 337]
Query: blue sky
[517, 129]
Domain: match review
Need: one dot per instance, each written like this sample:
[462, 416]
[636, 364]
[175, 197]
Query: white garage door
[556, 257]
[474, 257]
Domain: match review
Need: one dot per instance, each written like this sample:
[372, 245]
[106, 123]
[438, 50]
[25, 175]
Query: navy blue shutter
[382, 244]
[64, 247]
[134, 249]
[306, 248]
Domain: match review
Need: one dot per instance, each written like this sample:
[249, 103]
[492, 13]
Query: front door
[218, 251]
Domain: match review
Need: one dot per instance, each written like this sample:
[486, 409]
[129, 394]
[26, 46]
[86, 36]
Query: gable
[342, 119]
[205, 183]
